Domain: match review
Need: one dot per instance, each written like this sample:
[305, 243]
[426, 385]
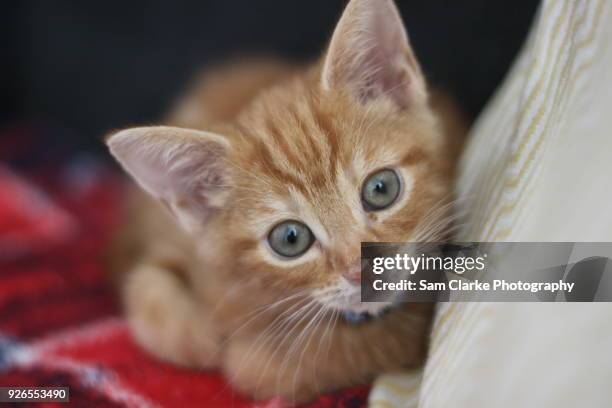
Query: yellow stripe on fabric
[555, 31]
[504, 233]
[574, 28]
[507, 231]
[554, 112]
[511, 181]
[537, 90]
[480, 186]
[492, 125]
[489, 122]
[558, 100]
[492, 181]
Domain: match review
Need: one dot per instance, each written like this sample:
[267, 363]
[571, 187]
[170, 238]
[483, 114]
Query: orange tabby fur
[293, 146]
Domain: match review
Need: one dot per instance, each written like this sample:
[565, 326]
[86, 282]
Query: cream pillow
[538, 167]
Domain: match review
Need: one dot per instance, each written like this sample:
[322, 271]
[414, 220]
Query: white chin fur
[346, 297]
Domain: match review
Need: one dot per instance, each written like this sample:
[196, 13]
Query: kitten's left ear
[184, 169]
[370, 56]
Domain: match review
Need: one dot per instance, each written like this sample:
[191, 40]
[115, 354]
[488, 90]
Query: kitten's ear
[370, 55]
[184, 169]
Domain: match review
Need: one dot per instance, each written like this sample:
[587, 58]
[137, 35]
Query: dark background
[90, 67]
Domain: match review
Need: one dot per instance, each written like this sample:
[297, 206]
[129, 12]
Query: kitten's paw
[165, 319]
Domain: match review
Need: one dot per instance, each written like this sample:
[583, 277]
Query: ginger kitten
[275, 177]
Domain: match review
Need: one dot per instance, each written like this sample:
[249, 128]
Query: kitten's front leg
[166, 320]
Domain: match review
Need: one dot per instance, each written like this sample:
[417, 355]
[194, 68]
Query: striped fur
[297, 147]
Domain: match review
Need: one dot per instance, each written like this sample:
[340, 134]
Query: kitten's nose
[353, 272]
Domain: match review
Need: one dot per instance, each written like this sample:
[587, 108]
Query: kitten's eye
[380, 190]
[290, 239]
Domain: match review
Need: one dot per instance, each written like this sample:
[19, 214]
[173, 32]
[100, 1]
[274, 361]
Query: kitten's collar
[352, 317]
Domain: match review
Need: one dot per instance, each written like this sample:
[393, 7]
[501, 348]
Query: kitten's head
[346, 153]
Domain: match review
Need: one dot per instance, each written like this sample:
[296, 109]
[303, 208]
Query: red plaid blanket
[59, 325]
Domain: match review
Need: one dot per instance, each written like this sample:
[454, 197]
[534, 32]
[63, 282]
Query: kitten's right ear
[370, 56]
[184, 169]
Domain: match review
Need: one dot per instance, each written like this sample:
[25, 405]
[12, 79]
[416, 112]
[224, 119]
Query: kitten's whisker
[263, 309]
[287, 356]
[318, 318]
[430, 225]
[303, 311]
[279, 302]
[295, 342]
[336, 318]
[276, 320]
[261, 339]
[324, 336]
